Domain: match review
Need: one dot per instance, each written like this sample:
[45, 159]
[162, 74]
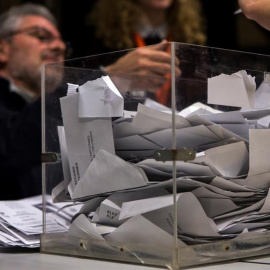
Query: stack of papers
[21, 220]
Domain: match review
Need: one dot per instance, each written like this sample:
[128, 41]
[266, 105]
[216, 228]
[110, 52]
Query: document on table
[21, 220]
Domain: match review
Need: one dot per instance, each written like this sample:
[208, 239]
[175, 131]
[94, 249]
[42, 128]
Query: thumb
[162, 46]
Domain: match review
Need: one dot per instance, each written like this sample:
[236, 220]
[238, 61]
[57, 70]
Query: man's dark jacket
[20, 145]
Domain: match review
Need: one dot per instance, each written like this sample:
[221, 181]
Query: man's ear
[4, 50]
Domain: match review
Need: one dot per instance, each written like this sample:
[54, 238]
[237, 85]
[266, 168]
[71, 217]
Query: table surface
[38, 261]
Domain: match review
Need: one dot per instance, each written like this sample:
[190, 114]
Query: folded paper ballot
[228, 160]
[108, 173]
[259, 168]
[110, 208]
[100, 98]
[237, 89]
[139, 230]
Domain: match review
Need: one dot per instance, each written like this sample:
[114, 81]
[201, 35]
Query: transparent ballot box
[164, 164]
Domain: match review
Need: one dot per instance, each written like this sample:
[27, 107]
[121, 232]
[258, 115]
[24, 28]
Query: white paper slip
[110, 208]
[228, 160]
[84, 138]
[259, 152]
[108, 173]
[100, 98]
[237, 89]
[155, 105]
[141, 231]
[20, 215]
[82, 226]
[72, 89]
[198, 108]
[192, 219]
[262, 96]
[137, 207]
[64, 156]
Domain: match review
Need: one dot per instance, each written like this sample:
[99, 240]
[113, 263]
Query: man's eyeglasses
[43, 35]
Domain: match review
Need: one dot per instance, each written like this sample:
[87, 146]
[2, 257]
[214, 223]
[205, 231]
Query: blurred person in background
[125, 24]
[29, 38]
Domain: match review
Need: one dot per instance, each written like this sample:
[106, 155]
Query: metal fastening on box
[182, 154]
[49, 157]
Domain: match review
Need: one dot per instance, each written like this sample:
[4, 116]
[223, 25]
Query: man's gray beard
[33, 79]
[53, 76]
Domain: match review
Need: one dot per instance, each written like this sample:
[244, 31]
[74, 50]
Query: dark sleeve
[20, 151]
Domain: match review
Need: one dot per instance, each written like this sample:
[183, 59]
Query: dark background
[225, 30]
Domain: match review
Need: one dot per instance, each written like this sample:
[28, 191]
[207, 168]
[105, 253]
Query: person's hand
[257, 10]
[244, 3]
[151, 65]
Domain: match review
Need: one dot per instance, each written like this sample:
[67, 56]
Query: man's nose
[59, 45]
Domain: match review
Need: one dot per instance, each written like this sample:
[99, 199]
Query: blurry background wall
[224, 29]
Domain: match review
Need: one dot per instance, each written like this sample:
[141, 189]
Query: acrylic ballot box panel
[158, 169]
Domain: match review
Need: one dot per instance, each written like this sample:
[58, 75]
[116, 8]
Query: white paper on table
[100, 98]
[108, 173]
[84, 138]
[139, 230]
[25, 239]
[20, 215]
[237, 89]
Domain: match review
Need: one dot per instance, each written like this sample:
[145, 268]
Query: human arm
[257, 10]
[150, 65]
